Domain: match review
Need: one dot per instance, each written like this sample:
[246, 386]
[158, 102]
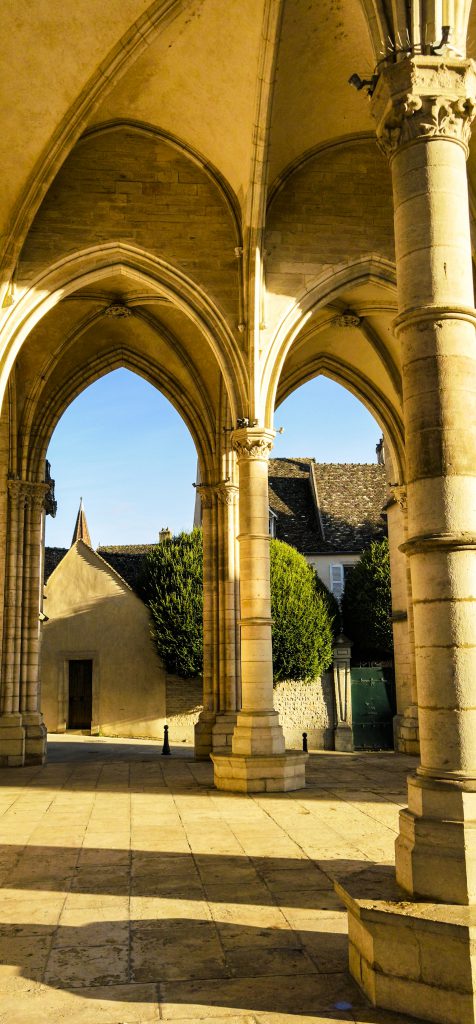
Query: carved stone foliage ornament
[399, 492]
[29, 492]
[348, 319]
[206, 495]
[252, 442]
[118, 311]
[424, 98]
[227, 493]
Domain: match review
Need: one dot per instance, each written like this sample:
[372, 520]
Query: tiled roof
[347, 516]
[53, 558]
[126, 560]
[351, 497]
[290, 497]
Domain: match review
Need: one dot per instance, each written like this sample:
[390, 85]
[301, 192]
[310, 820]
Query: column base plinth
[343, 739]
[12, 741]
[406, 731]
[223, 731]
[203, 735]
[435, 853]
[276, 773]
[258, 733]
[35, 737]
[409, 957]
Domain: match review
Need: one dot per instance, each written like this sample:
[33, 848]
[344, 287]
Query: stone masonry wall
[302, 707]
[136, 188]
[334, 209]
[183, 706]
[307, 707]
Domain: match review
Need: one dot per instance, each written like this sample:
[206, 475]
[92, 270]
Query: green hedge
[172, 586]
[302, 624]
[301, 607]
[367, 605]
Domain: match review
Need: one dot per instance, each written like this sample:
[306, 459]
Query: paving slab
[132, 892]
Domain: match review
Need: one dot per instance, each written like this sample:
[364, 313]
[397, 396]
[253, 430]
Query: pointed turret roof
[81, 531]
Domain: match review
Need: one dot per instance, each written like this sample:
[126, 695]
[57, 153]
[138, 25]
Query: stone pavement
[134, 892]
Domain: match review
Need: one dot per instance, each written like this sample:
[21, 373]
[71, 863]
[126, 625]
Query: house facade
[100, 671]
[330, 512]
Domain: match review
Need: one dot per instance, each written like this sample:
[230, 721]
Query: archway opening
[122, 450]
[131, 456]
[332, 501]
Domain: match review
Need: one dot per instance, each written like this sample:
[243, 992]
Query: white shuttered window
[337, 580]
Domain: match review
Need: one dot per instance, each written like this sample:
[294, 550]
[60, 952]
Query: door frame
[64, 658]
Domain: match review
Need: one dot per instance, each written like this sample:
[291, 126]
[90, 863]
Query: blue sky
[122, 448]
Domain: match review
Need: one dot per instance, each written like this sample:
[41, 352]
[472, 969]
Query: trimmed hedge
[172, 586]
[301, 608]
[367, 605]
[302, 624]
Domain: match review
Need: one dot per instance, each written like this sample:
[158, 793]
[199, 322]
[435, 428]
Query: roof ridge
[105, 562]
[315, 494]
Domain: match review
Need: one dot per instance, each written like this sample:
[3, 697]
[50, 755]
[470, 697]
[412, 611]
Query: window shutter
[337, 580]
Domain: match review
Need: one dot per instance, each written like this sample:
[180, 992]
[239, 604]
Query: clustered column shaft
[227, 497]
[31, 596]
[220, 668]
[23, 733]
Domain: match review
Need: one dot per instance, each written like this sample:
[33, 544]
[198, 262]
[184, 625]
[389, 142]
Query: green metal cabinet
[373, 708]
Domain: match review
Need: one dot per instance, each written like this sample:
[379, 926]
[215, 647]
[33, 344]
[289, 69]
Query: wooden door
[80, 694]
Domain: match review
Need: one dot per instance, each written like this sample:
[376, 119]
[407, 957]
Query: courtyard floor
[132, 891]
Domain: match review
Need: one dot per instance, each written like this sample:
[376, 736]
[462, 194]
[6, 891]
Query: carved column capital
[35, 495]
[252, 442]
[16, 491]
[424, 98]
[29, 492]
[399, 492]
[206, 493]
[227, 493]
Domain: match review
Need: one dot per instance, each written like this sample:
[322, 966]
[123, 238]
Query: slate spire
[81, 531]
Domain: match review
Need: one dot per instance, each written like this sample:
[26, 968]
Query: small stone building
[99, 667]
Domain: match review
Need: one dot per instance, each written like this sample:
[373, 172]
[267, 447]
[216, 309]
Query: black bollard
[304, 742]
[166, 747]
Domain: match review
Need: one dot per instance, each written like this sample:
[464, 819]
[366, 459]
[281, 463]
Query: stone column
[206, 721]
[32, 718]
[228, 669]
[343, 739]
[258, 761]
[258, 730]
[424, 110]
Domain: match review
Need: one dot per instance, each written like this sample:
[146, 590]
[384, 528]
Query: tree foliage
[302, 624]
[301, 608]
[332, 605]
[367, 606]
[172, 586]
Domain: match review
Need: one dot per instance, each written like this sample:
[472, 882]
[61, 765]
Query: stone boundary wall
[183, 706]
[302, 707]
[307, 707]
